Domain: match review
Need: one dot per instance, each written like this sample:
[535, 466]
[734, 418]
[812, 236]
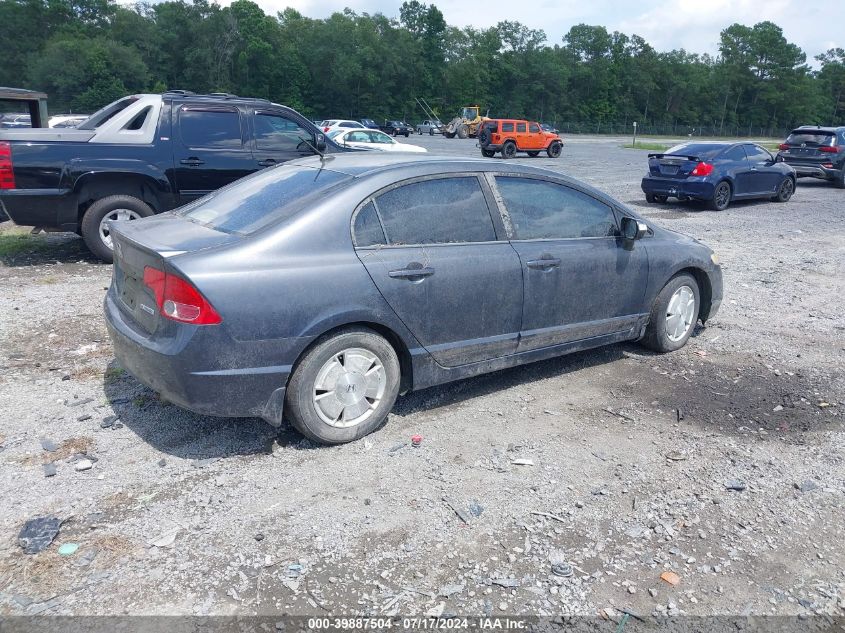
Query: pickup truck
[141, 155]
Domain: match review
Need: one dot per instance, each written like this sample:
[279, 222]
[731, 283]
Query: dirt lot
[628, 458]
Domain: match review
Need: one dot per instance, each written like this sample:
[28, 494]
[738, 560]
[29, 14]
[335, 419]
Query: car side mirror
[320, 143]
[633, 229]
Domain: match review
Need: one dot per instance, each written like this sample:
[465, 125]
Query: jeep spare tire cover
[484, 137]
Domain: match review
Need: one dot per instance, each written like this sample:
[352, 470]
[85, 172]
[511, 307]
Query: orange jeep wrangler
[510, 136]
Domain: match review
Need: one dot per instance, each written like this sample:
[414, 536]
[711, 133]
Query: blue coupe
[717, 173]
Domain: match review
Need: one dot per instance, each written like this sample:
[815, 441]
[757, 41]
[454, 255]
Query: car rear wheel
[673, 315]
[721, 197]
[509, 149]
[658, 198]
[785, 190]
[533, 154]
[95, 223]
[554, 150]
[344, 387]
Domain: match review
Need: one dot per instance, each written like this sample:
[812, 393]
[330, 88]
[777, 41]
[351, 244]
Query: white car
[67, 120]
[334, 124]
[365, 138]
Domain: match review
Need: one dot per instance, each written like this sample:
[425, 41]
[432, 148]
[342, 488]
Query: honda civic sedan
[717, 174]
[318, 290]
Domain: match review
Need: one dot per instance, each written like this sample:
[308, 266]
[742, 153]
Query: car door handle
[411, 273]
[544, 264]
[267, 162]
[193, 161]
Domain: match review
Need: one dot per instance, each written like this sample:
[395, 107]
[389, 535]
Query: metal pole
[635, 134]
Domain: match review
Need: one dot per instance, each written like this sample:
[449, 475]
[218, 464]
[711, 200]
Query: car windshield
[264, 197]
[701, 150]
[815, 138]
[335, 133]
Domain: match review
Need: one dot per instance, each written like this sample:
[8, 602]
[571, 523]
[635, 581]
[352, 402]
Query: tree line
[86, 53]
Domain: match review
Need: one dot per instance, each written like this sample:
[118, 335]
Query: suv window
[507, 127]
[275, 132]
[735, 153]
[219, 128]
[533, 128]
[438, 211]
[812, 138]
[757, 154]
[540, 209]
[520, 127]
[367, 230]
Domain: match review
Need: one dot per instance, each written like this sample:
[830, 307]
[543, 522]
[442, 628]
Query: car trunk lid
[151, 243]
[672, 165]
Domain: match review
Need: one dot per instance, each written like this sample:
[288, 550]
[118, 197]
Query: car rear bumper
[48, 208]
[815, 171]
[178, 370]
[676, 188]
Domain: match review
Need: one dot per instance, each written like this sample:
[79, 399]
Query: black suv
[395, 128]
[816, 152]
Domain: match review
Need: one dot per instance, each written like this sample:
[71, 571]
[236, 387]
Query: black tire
[840, 180]
[484, 137]
[785, 190]
[721, 197]
[449, 134]
[431, 131]
[463, 131]
[656, 336]
[649, 197]
[661, 199]
[300, 408]
[554, 149]
[488, 153]
[509, 149]
[407, 134]
[100, 209]
[533, 154]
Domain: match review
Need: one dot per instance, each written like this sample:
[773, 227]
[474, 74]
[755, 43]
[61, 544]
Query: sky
[815, 25]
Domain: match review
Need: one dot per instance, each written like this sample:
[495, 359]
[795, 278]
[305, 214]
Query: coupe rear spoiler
[693, 158]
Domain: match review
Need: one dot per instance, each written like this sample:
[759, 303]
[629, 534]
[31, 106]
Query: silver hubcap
[116, 214]
[349, 387]
[680, 313]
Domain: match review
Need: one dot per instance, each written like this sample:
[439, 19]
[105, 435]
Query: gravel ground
[721, 463]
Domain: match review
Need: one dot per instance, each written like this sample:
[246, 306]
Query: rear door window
[507, 127]
[367, 229]
[540, 209]
[215, 128]
[520, 128]
[439, 211]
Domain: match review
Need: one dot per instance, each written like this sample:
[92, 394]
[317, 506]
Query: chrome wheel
[349, 387]
[680, 313]
[116, 214]
[723, 195]
[786, 189]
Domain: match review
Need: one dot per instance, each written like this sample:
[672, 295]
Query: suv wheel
[509, 149]
[554, 150]
[95, 227]
[344, 387]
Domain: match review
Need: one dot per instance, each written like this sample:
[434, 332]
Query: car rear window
[701, 150]
[813, 138]
[261, 199]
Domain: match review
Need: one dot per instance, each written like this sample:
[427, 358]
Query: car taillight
[783, 146]
[827, 149]
[178, 300]
[7, 172]
[326, 129]
[702, 169]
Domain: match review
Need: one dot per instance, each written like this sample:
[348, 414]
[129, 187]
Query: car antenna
[322, 155]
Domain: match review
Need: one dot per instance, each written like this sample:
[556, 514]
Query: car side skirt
[427, 373]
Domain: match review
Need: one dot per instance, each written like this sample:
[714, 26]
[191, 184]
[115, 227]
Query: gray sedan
[320, 289]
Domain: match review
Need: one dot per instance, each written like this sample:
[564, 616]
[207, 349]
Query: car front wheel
[673, 315]
[509, 149]
[785, 190]
[344, 387]
[554, 150]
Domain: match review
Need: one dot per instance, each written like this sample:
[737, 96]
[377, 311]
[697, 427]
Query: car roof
[810, 128]
[366, 164]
